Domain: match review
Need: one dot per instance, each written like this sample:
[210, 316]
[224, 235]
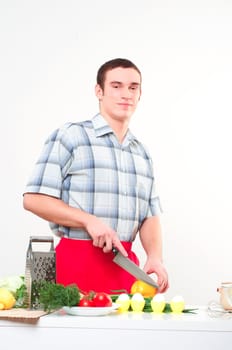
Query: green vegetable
[15, 285]
[45, 295]
[21, 297]
[12, 283]
[51, 296]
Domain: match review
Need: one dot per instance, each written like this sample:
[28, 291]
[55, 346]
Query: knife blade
[132, 268]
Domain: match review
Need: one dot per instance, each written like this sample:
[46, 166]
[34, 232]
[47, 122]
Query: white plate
[89, 311]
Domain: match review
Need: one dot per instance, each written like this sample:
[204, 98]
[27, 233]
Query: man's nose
[126, 93]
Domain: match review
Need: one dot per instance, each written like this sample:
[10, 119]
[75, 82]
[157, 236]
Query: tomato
[93, 299]
[143, 288]
[85, 302]
[102, 299]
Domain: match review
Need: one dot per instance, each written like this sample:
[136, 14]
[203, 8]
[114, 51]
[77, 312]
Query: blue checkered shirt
[84, 165]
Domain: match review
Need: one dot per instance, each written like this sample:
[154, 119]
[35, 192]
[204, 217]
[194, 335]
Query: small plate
[89, 311]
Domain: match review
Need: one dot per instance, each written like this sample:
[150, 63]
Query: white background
[49, 55]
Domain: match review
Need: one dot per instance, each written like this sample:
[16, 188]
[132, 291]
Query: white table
[120, 331]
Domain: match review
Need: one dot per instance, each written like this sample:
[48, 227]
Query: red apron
[79, 262]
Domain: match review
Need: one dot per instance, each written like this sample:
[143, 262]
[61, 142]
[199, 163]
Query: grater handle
[40, 239]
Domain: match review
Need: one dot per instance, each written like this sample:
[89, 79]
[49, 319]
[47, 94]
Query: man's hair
[115, 63]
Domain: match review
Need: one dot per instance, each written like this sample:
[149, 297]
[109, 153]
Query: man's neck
[120, 127]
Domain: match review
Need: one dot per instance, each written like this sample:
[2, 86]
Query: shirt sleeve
[154, 207]
[49, 170]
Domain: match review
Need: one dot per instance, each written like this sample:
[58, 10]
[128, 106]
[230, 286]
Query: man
[94, 183]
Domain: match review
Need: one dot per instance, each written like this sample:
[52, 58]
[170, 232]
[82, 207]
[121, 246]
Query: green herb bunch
[21, 296]
[52, 296]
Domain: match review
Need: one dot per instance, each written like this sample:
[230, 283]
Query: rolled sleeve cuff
[155, 208]
[53, 192]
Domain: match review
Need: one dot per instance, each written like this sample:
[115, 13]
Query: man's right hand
[103, 236]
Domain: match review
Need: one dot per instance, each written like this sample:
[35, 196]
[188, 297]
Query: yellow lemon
[143, 288]
[6, 299]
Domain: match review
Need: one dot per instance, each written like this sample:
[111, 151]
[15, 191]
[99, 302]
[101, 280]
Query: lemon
[6, 299]
[123, 301]
[143, 288]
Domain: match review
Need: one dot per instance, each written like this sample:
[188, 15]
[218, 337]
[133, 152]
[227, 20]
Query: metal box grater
[40, 266]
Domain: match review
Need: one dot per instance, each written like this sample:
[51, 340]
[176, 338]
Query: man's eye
[115, 86]
[134, 87]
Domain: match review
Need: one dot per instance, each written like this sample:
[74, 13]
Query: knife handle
[115, 250]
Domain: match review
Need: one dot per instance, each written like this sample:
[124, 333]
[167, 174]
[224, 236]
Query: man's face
[121, 93]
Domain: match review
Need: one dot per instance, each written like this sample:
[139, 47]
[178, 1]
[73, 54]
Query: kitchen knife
[132, 268]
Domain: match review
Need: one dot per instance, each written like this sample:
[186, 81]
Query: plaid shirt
[84, 165]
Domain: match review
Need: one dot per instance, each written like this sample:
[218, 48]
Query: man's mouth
[125, 104]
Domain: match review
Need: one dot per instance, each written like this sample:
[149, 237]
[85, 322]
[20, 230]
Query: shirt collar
[100, 125]
[102, 128]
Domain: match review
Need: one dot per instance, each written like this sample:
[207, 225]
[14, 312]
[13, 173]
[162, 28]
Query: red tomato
[84, 302]
[102, 299]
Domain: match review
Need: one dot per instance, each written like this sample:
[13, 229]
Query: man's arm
[151, 239]
[55, 210]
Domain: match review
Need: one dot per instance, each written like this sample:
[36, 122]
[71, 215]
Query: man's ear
[98, 92]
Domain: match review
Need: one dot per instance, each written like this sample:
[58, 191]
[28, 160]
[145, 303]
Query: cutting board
[22, 315]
